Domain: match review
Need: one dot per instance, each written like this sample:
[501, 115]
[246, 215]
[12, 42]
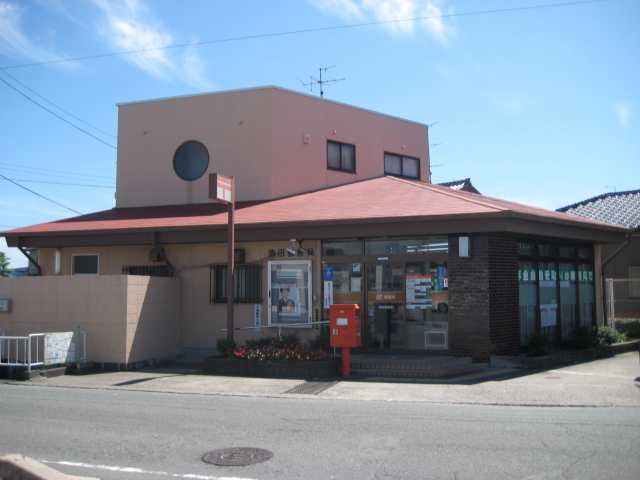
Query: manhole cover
[237, 456]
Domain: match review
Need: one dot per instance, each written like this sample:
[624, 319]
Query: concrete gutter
[19, 467]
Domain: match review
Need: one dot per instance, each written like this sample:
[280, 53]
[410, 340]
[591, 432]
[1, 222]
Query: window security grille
[247, 279]
[148, 270]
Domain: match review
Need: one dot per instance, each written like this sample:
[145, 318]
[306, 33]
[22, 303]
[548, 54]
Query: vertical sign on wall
[257, 316]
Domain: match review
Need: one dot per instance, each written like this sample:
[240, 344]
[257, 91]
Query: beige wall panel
[149, 304]
[257, 137]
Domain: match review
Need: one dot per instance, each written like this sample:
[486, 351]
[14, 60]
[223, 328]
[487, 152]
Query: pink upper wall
[256, 136]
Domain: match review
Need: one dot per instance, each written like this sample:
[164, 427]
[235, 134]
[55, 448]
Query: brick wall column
[483, 297]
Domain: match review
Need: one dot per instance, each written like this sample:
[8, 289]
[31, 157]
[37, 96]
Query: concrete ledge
[303, 369]
[562, 358]
[19, 467]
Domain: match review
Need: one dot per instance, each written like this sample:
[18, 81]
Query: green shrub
[609, 336]
[260, 342]
[539, 345]
[629, 326]
[287, 340]
[225, 346]
[321, 341]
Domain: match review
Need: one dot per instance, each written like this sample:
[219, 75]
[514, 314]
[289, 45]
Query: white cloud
[623, 110]
[398, 14]
[512, 104]
[345, 9]
[130, 26]
[14, 41]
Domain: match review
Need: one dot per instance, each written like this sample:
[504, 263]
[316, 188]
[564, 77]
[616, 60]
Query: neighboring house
[333, 205]
[462, 185]
[621, 260]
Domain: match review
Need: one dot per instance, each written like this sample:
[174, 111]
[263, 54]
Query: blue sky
[537, 101]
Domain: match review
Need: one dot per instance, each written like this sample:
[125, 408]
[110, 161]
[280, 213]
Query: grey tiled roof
[619, 208]
[464, 184]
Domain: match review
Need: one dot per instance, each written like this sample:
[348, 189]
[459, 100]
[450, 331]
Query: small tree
[5, 271]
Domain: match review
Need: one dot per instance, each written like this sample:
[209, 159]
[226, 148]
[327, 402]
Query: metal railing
[280, 326]
[29, 351]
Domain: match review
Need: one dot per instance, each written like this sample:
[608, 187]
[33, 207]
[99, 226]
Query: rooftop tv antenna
[320, 81]
[613, 186]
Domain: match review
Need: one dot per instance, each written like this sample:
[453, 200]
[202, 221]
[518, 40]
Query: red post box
[346, 326]
[346, 331]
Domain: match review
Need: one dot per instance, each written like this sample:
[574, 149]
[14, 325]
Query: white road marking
[139, 470]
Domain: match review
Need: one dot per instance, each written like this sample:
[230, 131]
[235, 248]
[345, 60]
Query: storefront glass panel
[568, 300]
[586, 293]
[427, 306]
[548, 276]
[528, 280]
[406, 245]
[385, 307]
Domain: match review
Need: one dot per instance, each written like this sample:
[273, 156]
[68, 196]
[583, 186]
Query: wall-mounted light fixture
[296, 251]
[292, 249]
[464, 249]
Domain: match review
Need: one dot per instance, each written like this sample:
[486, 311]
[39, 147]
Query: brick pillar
[504, 296]
[483, 298]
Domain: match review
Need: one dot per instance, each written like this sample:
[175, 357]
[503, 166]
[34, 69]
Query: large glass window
[556, 290]
[528, 276]
[341, 247]
[341, 156]
[427, 305]
[401, 166]
[568, 299]
[406, 245]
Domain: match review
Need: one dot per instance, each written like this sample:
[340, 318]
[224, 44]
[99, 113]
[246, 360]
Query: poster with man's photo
[290, 287]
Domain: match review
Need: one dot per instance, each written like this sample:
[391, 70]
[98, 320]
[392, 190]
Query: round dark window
[191, 160]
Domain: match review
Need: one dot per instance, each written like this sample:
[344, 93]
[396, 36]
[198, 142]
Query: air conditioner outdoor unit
[436, 339]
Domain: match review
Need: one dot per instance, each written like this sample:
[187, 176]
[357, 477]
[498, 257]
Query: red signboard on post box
[346, 326]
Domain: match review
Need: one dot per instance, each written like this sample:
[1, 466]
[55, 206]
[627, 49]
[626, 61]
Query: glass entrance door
[385, 311]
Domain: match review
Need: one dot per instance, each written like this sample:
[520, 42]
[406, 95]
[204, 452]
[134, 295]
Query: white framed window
[290, 287]
[86, 264]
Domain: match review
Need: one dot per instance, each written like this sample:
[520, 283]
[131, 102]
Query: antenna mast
[321, 82]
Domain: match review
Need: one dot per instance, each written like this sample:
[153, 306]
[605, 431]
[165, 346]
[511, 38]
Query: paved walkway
[603, 383]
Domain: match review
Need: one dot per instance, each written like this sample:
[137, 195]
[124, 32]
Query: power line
[69, 175]
[41, 196]
[59, 183]
[59, 108]
[310, 30]
[55, 114]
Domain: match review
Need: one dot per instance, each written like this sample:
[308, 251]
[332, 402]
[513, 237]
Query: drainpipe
[154, 240]
[31, 260]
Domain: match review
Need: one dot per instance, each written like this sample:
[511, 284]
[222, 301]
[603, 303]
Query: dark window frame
[74, 265]
[402, 166]
[247, 280]
[342, 167]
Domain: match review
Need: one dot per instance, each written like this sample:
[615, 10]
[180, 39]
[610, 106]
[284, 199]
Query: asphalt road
[131, 425]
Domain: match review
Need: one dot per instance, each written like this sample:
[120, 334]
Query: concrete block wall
[127, 318]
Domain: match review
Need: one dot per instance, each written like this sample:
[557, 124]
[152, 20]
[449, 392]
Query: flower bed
[279, 357]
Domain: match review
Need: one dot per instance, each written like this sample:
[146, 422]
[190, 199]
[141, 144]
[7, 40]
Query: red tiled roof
[369, 200]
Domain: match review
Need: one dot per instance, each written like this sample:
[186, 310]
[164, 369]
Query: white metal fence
[39, 349]
[623, 305]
